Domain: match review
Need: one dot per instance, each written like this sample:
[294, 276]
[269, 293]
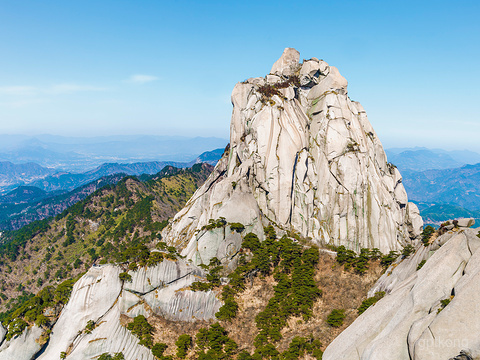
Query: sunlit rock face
[430, 310]
[303, 157]
[101, 297]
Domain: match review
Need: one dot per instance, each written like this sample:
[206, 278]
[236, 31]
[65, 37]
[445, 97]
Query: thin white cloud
[141, 79]
[16, 104]
[67, 88]
[18, 90]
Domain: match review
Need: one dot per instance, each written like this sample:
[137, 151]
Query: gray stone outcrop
[303, 157]
[427, 314]
[100, 296]
[22, 347]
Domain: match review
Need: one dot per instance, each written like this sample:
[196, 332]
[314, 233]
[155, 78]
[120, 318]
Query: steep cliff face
[304, 157]
[430, 310]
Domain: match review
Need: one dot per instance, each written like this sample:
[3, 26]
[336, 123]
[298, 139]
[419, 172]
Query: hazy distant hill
[210, 157]
[53, 194]
[444, 184]
[438, 213]
[419, 159]
[46, 179]
[422, 160]
[68, 181]
[13, 174]
[80, 154]
[27, 203]
[458, 186]
[24, 194]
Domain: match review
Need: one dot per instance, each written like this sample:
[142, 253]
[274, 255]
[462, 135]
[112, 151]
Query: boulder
[466, 222]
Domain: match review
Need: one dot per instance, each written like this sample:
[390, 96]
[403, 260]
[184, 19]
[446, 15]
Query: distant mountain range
[49, 195]
[458, 186]
[419, 158]
[439, 181]
[47, 179]
[444, 184]
[438, 213]
[28, 203]
[81, 154]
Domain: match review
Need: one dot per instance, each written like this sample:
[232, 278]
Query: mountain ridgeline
[53, 179]
[53, 194]
[77, 154]
[300, 244]
[26, 204]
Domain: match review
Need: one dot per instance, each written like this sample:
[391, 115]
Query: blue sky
[154, 67]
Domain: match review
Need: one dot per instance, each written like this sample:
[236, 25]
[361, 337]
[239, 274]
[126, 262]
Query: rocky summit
[303, 157]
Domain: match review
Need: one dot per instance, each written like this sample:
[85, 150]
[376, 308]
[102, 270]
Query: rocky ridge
[305, 158]
[102, 297]
[429, 311]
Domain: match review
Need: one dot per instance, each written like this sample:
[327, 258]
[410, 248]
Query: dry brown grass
[168, 331]
[341, 290]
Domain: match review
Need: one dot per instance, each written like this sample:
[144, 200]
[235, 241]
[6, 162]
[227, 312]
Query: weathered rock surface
[3, 332]
[304, 157]
[410, 322]
[163, 289]
[462, 222]
[102, 297]
[22, 347]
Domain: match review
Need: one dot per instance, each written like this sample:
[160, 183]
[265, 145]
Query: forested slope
[101, 228]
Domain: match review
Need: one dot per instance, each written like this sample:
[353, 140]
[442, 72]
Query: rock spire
[303, 157]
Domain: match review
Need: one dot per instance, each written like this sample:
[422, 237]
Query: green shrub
[142, 329]
[300, 345]
[41, 320]
[214, 224]
[336, 317]
[214, 343]
[90, 326]
[116, 356]
[77, 263]
[408, 250]
[244, 355]
[427, 233]
[125, 276]
[154, 258]
[361, 263]
[348, 258]
[158, 349]
[388, 259]
[238, 227]
[251, 242]
[183, 343]
[230, 307]
[370, 301]
[15, 328]
[443, 304]
[420, 265]
[201, 286]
